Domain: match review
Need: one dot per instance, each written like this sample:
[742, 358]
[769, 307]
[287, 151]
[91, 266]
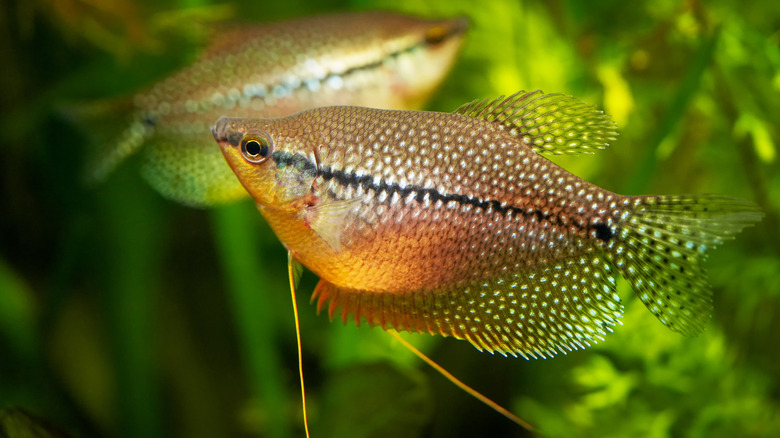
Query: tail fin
[116, 130]
[661, 248]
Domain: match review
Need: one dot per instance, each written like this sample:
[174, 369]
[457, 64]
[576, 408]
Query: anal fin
[561, 307]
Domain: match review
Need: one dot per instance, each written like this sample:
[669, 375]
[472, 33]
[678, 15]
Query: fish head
[271, 161]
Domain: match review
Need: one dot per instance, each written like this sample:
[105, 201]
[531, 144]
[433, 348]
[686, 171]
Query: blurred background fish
[267, 70]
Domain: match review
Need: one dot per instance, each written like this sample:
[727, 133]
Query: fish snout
[219, 129]
[225, 131]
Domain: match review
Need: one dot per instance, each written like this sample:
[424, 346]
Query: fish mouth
[226, 133]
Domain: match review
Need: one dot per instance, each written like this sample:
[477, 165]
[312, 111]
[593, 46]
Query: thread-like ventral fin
[552, 124]
[561, 307]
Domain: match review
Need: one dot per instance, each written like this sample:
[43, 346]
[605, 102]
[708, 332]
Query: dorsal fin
[548, 123]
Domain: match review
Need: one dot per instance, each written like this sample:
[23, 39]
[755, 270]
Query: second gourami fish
[270, 70]
[454, 224]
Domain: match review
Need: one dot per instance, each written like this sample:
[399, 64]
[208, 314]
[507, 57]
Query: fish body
[271, 70]
[455, 224]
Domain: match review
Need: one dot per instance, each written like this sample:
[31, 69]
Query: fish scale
[455, 224]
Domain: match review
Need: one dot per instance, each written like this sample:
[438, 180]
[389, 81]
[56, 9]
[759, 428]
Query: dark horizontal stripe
[396, 54]
[302, 83]
[300, 162]
[150, 119]
[366, 183]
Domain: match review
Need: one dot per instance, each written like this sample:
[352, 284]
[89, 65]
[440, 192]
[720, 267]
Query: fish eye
[436, 35]
[255, 149]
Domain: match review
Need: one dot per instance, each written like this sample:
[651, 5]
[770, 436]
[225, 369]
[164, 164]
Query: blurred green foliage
[122, 314]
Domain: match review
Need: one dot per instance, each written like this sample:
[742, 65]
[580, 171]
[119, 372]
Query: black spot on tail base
[603, 232]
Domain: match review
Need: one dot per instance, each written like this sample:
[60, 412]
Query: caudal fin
[116, 133]
[661, 248]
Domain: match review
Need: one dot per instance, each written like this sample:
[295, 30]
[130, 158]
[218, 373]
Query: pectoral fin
[328, 219]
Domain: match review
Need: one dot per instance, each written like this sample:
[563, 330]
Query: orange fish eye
[255, 149]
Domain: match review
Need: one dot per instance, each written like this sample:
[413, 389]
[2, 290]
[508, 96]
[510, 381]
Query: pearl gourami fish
[270, 70]
[456, 224]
